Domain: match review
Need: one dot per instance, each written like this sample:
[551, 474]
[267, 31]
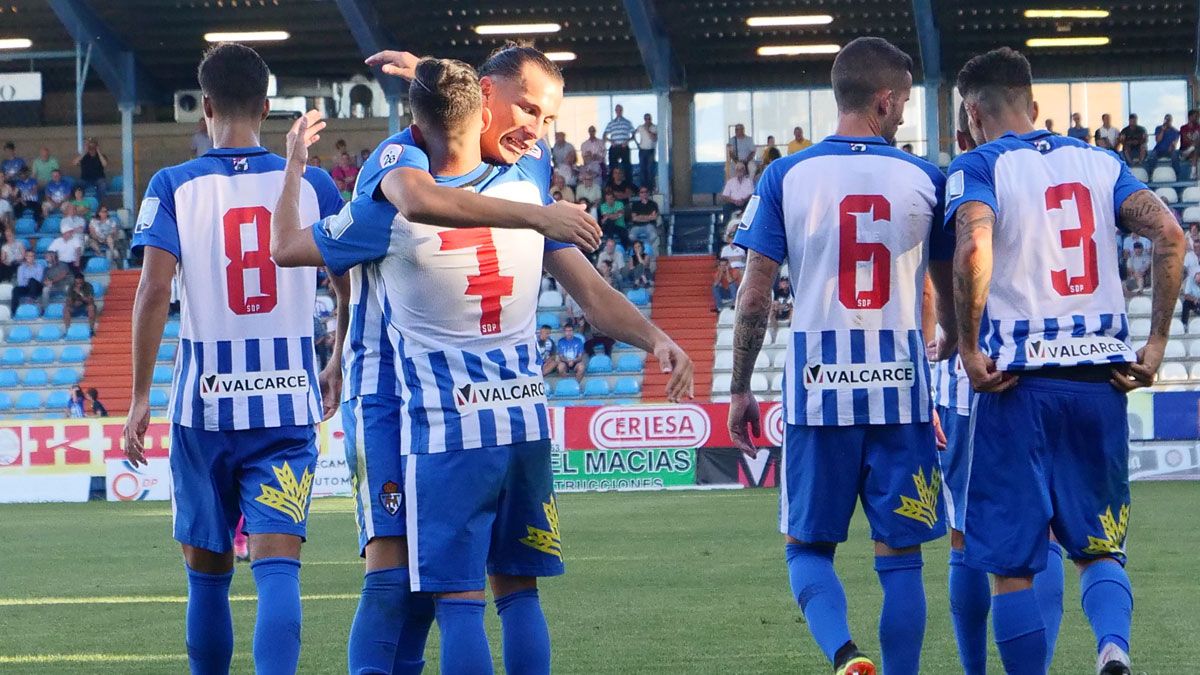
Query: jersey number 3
[489, 285]
[1082, 237]
[248, 249]
[852, 253]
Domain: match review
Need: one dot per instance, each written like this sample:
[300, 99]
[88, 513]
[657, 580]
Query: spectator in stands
[314, 161]
[1107, 135]
[644, 214]
[647, 141]
[76, 402]
[781, 305]
[73, 226]
[589, 207]
[12, 252]
[201, 143]
[81, 301]
[740, 147]
[770, 146]
[612, 217]
[1166, 141]
[618, 133]
[1191, 260]
[344, 174]
[67, 248]
[28, 194]
[559, 184]
[1077, 130]
[588, 188]
[1138, 269]
[106, 236]
[564, 158]
[1191, 298]
[98, 409]
[30, 274]
[547, 351]
[1189, 136]
[610, 254]
[92, 165]
[724, 285]
[12, 164]
[363, 156]
[1194, 232]
[570, 354]
[605, 269]
[592, 151]
[734, 255]
[83, 208]
[769, 155]
[632, 275]
[1133, 142]
[798, 142]
[323, 339]
[340, 148]
[44, 166]
[574, 312]
[644, 257]
[737, 192]
[1050, 126]
[907, 147]
[620, 184]
[58, 192]
[7, 197]
[596, 339]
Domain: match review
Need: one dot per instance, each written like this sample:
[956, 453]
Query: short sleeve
[941, 241]
[762, 228]
[552, 245]
[537, 166]
[355, 235]
[1124, 187]
[156, 224]
[970, 180]
[329, 199]
[392, 155]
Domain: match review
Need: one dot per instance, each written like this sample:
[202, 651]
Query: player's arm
[753, 309]
[1143, 213]
[150, 308]
[330, 377]
[292, 243]
[974, 222]
[612, 314]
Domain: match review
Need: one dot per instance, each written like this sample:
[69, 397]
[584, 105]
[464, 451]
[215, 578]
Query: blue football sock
[820, 595]
[902, 619]
[410, 647]
[277, 628]
[970, 601]
[1020, 634]
[525, 633]
[1048, 585]
[465, 648]
[379, 623]
[209, 623]
[1107, 602]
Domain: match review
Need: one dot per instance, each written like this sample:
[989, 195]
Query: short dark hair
[234, 78]
[444, 93]
[864, 67]
[10, 146]
[508, 60]
[964, 124]
[997, 79]
[545, 326]
[1193, 111]
[93, 393]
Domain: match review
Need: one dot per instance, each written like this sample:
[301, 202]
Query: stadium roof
[619, 44]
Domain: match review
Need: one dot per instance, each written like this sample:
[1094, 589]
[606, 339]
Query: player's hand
[304, 132]
[400, 64]
[939, 434]
[675, 361]
[134, 432]
[743, 411]
[1132, 376]
[941, 347]
[330, 379]
[570, 224]
[984, 376]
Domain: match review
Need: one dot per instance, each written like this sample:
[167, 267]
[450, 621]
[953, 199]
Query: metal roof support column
[931, 62]
[367, 29]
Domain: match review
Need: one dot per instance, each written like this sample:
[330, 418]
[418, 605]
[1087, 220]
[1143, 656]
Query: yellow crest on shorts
[291, 498]
[924, 508]
[1114, 533]
[547, 541]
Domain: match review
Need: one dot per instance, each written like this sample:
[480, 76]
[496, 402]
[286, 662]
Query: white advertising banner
[123, 482]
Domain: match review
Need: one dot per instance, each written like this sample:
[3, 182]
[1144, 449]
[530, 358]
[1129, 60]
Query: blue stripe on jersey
[1123, 334]
[523, 362]
[419, 438]
[182, 361]
[858, 354]
[829, 409]
[487, 418]
[891, 395]
[1020, 335]
[1079, 329]
[255, 404]
[357, 349]
[308, 358]
[224, 367]
[799, 357]
[445, 383]
[516, 418]
[921, 388]
[286, 410]
[994, 339]
[197, 401]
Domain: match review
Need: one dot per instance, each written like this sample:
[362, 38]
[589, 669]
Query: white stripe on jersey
[952, 387]
[368, 358]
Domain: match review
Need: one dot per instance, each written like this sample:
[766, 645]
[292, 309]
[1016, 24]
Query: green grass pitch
[672, 582]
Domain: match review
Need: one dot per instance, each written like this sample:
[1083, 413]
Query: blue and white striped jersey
[951, 386]
[245, 358]
[1055, 297]
[459, 305]
[856, 219]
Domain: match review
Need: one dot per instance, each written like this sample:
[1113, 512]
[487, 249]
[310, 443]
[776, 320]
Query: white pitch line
[31, 659]
[150, 599]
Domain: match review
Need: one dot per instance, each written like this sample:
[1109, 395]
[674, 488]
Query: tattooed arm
[1145, 214]
[750, 327]
[972, 278]
[940, 283]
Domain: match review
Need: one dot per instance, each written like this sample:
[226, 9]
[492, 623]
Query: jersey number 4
[852, 253]
[1082, 238]
[248, 248]
[489, 285]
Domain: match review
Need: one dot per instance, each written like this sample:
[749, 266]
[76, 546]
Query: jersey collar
[472, 177]
[236, 152]
[1034, 135]
[869, 140]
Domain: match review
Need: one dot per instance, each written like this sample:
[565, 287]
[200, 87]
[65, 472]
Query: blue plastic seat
[50, 227]
[66, 376]
[29, 400]
[20, 335]
[43, 245]
[53, 310]
[166, 351]
[28, 312]
[566, 388]
[25, 226]
[57, 399]
[639, 297]
[50, 333]
[548, 319]
[163, 375]
[99, 289]
[627, 386]
[8, 379]
[79, 331]
[6, 401]
[72, 354]
[158, 398]
[599, 365]
[36, 378]
[12, 357]
[97, 265]
[595, 387]
[116, 183]
[171, 329]
[92, 203]
[42, 356]
[630, 363]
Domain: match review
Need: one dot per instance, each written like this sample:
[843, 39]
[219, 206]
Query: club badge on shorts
[390, 497]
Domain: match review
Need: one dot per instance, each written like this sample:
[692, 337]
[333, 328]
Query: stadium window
[823, 114]
[1152, 99]
[1093, 99]
[1054, 103]
[913, 129]
[776, 113]
[715, 115]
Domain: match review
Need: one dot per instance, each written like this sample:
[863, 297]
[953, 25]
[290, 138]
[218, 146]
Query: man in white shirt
[67, 248]
[738, 191]
[73, 225]
[741, 147]
[588, 188]
[1106, 133]
[564, 157]
[647, 140]
[593, 153]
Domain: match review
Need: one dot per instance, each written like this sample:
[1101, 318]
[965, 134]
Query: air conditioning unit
[360, 97]
[189, 106]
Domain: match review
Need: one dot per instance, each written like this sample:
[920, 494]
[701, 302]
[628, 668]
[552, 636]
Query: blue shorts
[954, 460]
[892, 468]
[372, 437]
[217, 476]
[477, 512]
[1047, 452]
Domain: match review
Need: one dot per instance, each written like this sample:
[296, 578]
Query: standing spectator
[644, 214]
[1133, 142]
[592, 150]
[1138, 269]
[1166, 140]
[344, 174]
[781, 305]
[547, 351]
[798, 142]
[58, 191]
[647, 140]
[83, 207]
[92, 165]
[1189, 136]
[201, 142]
[618, 133]
[81, 301]
[612, 217]
[1077, 130]
[106, 236]
[595, 338]
[12, 164]
[44, 165]
[12, 252]
[67, 248]
[724, 286]
[737, 192]
[30, 275]
[610, 254]
[740, 147]
[564, 158]
[98, 409]
[1050, 126]
[75, 402]
[559, 184]
[619, 183]
[1107, 135]
[588, 188]
[570, 354]
[28, 193]
[56, 278]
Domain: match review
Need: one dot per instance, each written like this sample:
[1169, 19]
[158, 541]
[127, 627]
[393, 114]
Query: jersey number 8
[242, 226]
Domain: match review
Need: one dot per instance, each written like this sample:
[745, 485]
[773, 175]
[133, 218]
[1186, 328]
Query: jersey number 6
[1082, 237]
[851, 252]
[247, 232]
